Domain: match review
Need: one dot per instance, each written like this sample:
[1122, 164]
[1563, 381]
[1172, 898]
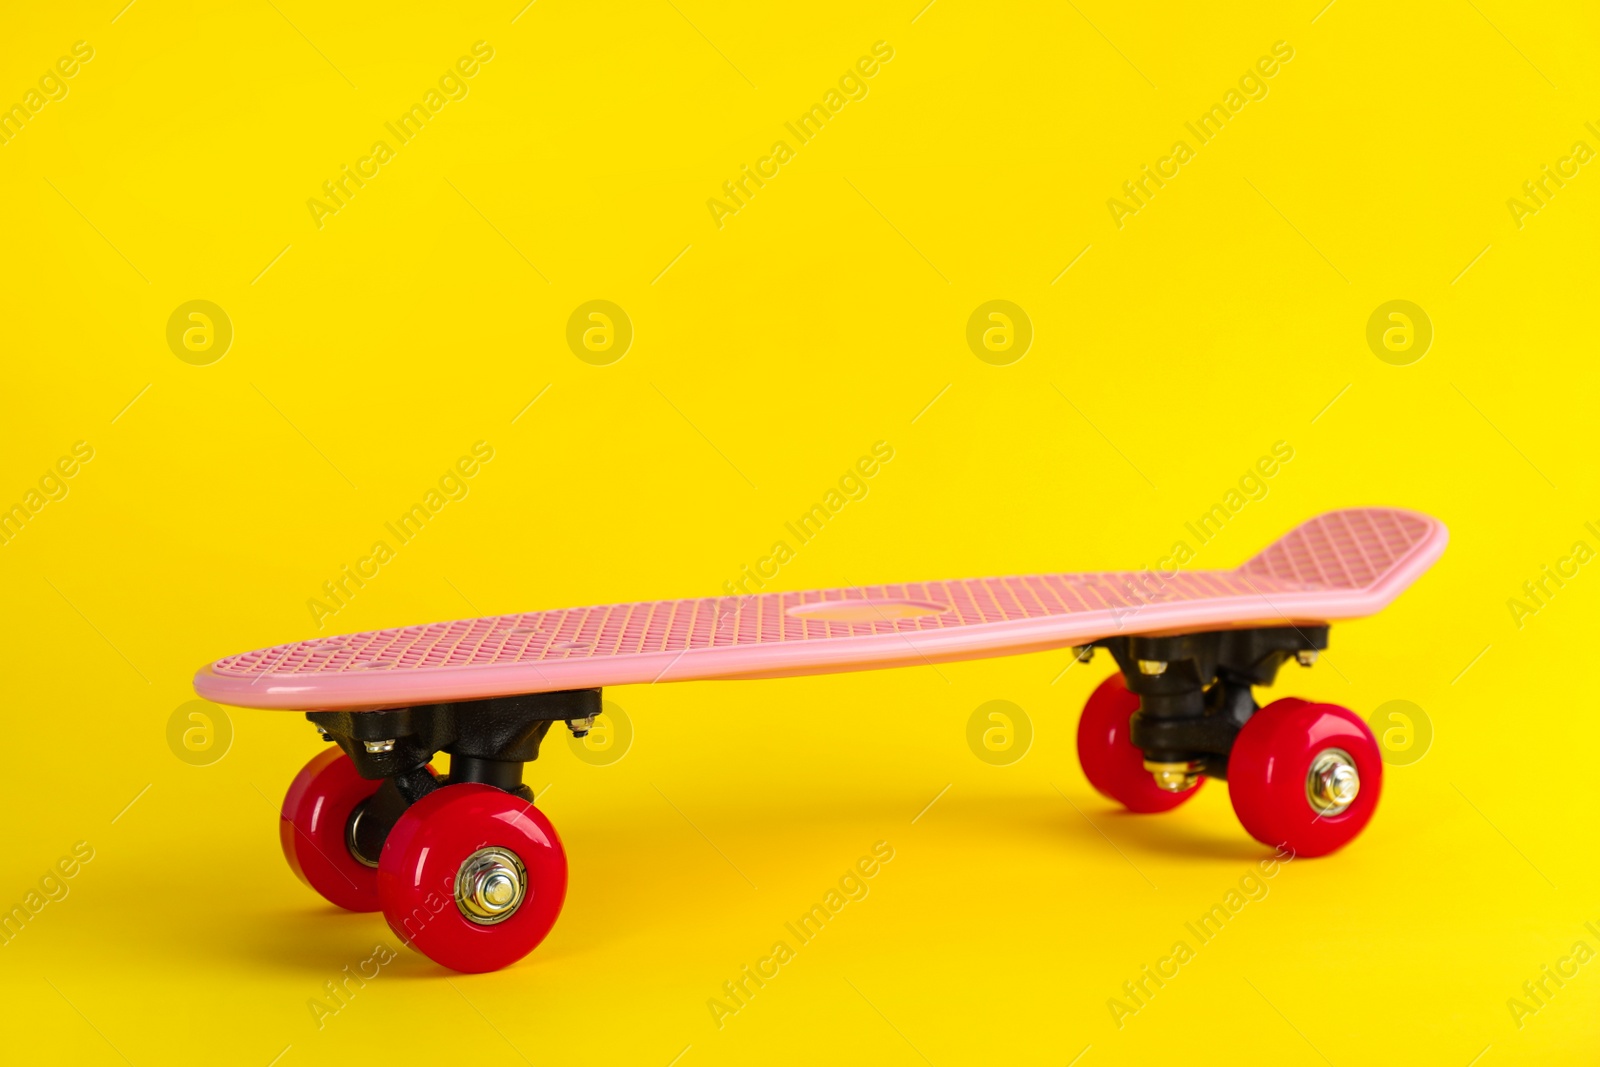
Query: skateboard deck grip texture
[1340, 565]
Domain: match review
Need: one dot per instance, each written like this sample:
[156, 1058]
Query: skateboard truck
[488, 742]
[1195, 692]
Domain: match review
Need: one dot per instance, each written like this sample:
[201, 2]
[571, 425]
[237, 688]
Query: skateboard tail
[1368, 556]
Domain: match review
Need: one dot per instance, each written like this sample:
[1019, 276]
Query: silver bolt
[498, 889]
[1085, 653]
[490, 885]
[1175, 777]
[379, 746]
[1306, 657]
[1152, 666]
[581, 727]
[1332, 783]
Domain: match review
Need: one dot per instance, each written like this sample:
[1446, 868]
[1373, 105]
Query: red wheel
[472, 877]
[1305, 776]
[1112, 763]
[312, 827]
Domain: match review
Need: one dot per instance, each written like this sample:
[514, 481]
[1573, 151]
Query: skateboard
[468, 871]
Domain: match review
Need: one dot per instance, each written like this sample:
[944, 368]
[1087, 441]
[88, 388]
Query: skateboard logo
[199, 332]
[199, 732]
[999, 733]
[999, 332]
[1399, 333]
[608, 740]
[599, 332]
[1403, 730]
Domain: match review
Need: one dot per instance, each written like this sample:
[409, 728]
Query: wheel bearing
[491, 885]
[350, 831]
[1333, 782]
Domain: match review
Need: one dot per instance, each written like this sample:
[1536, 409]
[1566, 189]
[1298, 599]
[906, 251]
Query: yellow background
[768, 355]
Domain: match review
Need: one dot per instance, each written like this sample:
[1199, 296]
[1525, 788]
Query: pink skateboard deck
[1340, 565]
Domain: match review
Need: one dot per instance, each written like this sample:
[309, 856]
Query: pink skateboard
[469, 872]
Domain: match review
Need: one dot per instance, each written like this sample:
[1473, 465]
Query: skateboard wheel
[1111, 762]
[1305, 776]
[472, 877]
[312, 826]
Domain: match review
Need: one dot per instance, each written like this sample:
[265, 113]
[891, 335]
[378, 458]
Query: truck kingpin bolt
[1175, 777]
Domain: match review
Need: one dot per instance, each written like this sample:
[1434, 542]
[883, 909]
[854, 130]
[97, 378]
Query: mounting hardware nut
[1333, 782]
[1175, 777]
[1152, 666]
[1084, 653]
[1306, 657]
[580, 727]
[375, 747]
